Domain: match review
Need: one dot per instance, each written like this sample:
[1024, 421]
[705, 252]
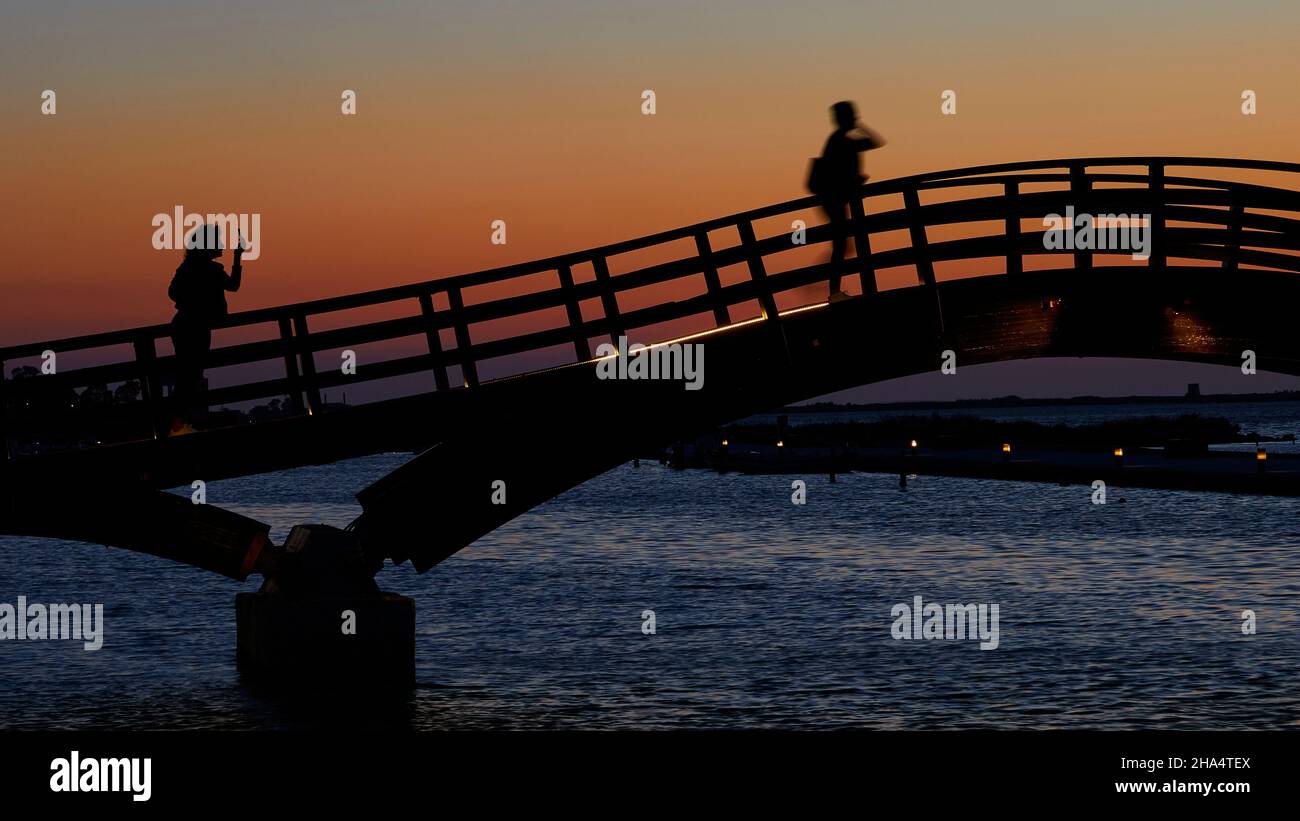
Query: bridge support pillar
[327, 641]
[322, 620]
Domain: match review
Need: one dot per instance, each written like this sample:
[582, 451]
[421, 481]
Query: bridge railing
[1228, 222]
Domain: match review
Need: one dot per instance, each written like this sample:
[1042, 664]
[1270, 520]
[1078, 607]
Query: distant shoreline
[1021, 402]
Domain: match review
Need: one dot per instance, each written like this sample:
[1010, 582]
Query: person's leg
[202, 345]
[181, 349]
[190, 345]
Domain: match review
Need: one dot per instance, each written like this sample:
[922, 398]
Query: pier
[526, 406]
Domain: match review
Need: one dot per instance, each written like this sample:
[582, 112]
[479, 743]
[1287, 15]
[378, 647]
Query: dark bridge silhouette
[1221, 279]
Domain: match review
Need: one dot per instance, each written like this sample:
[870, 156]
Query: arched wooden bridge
[491, 375]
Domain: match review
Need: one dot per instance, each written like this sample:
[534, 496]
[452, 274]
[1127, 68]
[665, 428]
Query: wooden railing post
[1015, 255]
[608, 299]
[757, 271]
[862, 241]
[291, 364]
[721, 315]
[1232, 248]
[920, 243]
[1080, 188]
[1159, 248]
[581, 348]
[308, 359]
[468, 369]
[146, 356]
[435, 342]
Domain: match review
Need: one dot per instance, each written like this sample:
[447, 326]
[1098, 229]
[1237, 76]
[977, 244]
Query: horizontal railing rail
[1225, 224]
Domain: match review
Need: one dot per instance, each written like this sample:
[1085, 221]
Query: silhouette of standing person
[199, 291]
[836, 174]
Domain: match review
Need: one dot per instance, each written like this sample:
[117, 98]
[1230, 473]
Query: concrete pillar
[320, 619]
[352, 640]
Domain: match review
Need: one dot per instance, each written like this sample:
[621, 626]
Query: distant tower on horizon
[1193, 390]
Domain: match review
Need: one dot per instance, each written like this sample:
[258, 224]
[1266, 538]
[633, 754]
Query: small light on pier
[780, 443]
[1006, 451]
[1261, 459]
[914, 445]
[1119, 457]
[725, 443]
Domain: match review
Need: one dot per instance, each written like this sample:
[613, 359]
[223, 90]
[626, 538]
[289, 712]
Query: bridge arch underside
[545, 433]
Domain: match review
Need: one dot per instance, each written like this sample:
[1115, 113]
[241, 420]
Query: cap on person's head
[204, 241]
[845, 112]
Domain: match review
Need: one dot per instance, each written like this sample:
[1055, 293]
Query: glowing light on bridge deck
[1006, 451]
[914, 444]
[1261, 459]
[725, 443]
[712, 331]
[1119, 453]
[780, 443]
[698, 335]
[803, 308]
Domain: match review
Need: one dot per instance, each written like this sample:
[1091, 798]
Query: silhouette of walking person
[199, 291]
[834, 177]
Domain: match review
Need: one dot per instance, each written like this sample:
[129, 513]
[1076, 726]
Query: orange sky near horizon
[476, 112]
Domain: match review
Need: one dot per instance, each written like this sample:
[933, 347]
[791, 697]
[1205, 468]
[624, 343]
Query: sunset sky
[529, 112]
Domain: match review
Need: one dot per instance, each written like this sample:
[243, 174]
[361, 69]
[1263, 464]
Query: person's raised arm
[237, 269]
[865, 137]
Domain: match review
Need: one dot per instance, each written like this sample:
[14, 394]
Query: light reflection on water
[768, 614]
